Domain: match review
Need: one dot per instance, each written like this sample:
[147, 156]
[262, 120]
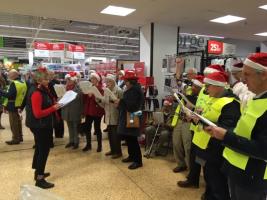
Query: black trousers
[238, 192]
[195, 168]
[134, 150]
[59, 127]
[89, 120]
[43, 140]
[216, 182]
[114, 139]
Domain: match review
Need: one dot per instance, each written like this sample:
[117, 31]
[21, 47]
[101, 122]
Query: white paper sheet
[60, 89]
[68, 97]
[85, 86]
[109, 93]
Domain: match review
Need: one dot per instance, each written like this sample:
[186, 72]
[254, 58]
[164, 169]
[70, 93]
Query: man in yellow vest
[246, 146]
[14, 103]
[223, 109]
[182, 136]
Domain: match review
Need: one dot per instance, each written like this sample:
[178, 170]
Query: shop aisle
[86, 176]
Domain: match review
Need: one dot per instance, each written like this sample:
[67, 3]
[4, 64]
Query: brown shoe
[179, 169]
[12, 142]
[187, 184]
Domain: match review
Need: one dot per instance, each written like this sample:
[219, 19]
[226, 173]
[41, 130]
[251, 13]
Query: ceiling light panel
[227, 19]
[262, 34]
[118, 11]
[264, 7]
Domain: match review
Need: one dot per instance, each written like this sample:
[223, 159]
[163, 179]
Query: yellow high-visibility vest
[175, 118]
[254, 109]
[201, 100]
[188, 90]
[21, 88]
[212, 112]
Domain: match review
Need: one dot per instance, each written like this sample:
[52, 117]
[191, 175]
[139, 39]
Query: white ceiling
[191, 15]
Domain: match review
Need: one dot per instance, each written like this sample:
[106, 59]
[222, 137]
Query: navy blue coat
[132, 101]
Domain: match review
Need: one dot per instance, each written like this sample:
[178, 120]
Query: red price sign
[215, 47]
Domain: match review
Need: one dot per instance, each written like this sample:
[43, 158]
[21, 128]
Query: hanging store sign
[215, 47]
[191, 41]
[75, 52]
[57, 50]
[41, 49]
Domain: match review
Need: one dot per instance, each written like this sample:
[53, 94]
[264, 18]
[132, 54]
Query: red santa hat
[217, 79]
[198, 80]
[237, 67]
[97, 76]
[72, 76]
[257, 61]
[213, 68]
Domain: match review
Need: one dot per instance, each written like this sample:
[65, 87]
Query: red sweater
[91, 107]
[37, 101]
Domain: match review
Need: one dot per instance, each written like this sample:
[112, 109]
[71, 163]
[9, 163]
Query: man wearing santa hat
[224, 110]
[239, 88]
[246, 146]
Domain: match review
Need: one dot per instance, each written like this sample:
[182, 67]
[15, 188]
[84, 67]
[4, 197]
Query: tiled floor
[85, 176]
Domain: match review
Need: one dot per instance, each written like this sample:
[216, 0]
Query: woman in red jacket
[40, 114]
[94, 113]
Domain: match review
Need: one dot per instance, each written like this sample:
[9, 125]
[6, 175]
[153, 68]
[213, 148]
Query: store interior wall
[264, 46]
[165, 43]
[243, 47]
[145, 41]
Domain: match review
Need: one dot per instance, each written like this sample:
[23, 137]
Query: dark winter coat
[132, 101]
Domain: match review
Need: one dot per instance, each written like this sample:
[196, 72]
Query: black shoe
[105, 130]
[187, 184]
[126, 160]
[12, 142]
[99, 149]
[45, 175]
[179, 169]
[115, 156]
[135, 165]
[69, 145]
[75, 146]
[42, 183]
[108, 153]
[87, 148]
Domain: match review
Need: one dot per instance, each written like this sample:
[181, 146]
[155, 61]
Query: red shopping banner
[215, 47]
[57, 46]
[41, 45]
[76, 48]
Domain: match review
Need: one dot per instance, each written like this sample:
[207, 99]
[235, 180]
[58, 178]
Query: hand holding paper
[68, 97]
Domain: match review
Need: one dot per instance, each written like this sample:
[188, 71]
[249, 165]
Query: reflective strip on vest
[175, 118]
[21, 88]
[244, 128]
[212, 112]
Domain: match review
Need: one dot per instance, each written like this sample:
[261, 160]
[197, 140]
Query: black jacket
[132, 101]
[31, 121]
[256, 149]
[228, 119]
